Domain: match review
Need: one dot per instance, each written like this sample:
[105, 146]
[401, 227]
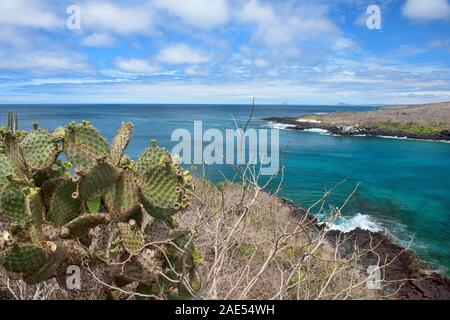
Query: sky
[224, 51]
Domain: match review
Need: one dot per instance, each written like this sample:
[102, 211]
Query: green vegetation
[101, 208]
[411, 128]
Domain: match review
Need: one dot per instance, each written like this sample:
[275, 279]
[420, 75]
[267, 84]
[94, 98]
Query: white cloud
[199, 13]
[260, 63]
[45, 62]
[98, 40]
[29, 13]
[182, 54]
[122, 20]
[343, 44]
[136, 66]
[195, 71]
[426, 9]
[288, 25]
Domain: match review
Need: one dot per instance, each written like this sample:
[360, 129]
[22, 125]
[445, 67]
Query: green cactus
[123, 198]
[151, 159]
[65, 204]
[53, 211]
[14, 205]
[6, 170]
[120, 142]
[16, 156]
[82, 224]
[98, 180]
[83, 144]
[94, 205]
[131, 237]
[23, 258]
[160, 193]
[39, 150]
[36, 212]
[162, 182]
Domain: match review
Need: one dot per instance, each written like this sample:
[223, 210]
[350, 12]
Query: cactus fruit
[53, 215]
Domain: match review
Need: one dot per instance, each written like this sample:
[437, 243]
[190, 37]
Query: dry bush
[252, 245]
[16, 289]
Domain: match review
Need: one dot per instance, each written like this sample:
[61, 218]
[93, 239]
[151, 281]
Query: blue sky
[224, 51]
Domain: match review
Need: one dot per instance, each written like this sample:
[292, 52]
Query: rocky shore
[404, 275]
[356, 129]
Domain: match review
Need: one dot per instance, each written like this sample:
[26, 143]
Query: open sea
[404, 184]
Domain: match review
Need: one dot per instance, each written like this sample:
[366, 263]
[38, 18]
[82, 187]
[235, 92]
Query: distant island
[426, 121]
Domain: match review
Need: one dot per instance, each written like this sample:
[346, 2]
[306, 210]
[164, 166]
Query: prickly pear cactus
[123, 198]
[23, 258]
[39, 149]
[83, 144]
[100, 208]
[162, 182]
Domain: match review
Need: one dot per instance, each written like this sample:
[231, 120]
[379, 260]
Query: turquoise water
[404, 186]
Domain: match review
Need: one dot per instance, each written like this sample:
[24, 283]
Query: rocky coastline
[404, 276]
[357, 130]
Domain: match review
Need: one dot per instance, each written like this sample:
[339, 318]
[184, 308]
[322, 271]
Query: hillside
[427, 121]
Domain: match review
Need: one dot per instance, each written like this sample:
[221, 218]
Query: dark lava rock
[410, 278]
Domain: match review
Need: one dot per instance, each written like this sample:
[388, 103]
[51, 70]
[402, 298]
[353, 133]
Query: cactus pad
[83, 144]
[64, 205]
[120, 142]
[161, 191]
[131, 237]
[5, 170]
[14, 205]
[81, 225]
[122, 199]
[98, 180]
[94, 205]
[39, 150]
[24, 258]
[151, 159]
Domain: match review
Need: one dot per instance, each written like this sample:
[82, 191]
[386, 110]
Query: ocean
[404, 185]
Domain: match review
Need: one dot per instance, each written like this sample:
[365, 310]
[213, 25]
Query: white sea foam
[317, 130]
[305, 120]
[394, 137]
[406, 138]
[362, 221]
[280, 126]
